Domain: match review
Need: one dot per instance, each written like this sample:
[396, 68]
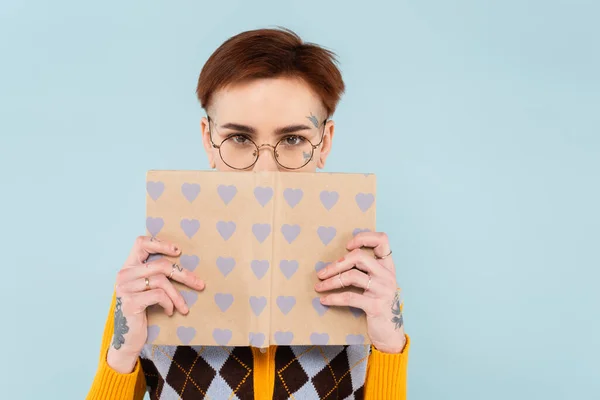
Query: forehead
[266, 102]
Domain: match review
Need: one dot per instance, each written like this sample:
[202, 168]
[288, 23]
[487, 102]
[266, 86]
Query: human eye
[239, 139]
[293, 140]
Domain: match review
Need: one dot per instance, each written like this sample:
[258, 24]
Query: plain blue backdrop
[481, 120]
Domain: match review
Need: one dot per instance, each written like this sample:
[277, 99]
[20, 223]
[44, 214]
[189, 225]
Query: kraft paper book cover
[258, 240]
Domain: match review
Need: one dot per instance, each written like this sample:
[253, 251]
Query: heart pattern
[226, 193]
[225, 265]
[290, 232]
[259, 268]
[286, 303]
[331, 198]
[153, 331]
[190, 227]
[293, 196]
[190, 191]
[226, 229]
[189, 261]
[364, 201]
[186, 334]
[154, 225]
[288, 267]
[155, 189]
[261, 231]
[224, 301]
[326, 234]
[263, 195]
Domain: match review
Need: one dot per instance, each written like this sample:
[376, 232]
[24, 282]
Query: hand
[140, 284]
[381, 298]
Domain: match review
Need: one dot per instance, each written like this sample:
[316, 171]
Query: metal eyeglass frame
[258, 148]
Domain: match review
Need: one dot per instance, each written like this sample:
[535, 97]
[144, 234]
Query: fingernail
[324, 299]
[322, 272]
[318, 286]
[186, 309]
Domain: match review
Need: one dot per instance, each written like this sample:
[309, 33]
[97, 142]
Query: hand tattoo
[397, 311]
[121, 327]
[314, 120]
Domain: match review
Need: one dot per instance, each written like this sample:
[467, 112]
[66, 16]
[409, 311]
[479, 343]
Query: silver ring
[147, 283]
[369, 283]
[384, 257]
[340, 279]
[172, 271]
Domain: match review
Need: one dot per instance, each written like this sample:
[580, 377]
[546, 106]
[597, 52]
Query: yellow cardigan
[386, 374]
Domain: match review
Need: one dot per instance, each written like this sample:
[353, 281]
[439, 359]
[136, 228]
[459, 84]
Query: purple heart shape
[355, 339]
[259, 267]
[320, 265]
[189, 261]
[186, 334]
[155, 189]
[359, 230]
[154, 257]
[293, 196]
[290, 232]
[364, 201]
[190, 191]
[226, 193]
[154, 225]
[286, 303]
[153, 331]
[319, 339]
[357, 312]
[189, 296]
[258, 304]
[326, 234]
[222, 336]
[190, 227]
[329, 199]
[225, 265]
[288, 267]
[263, 195]
[226, 229]
[224, 300]
[256, 339]
[283, 338]
[261, 231]
[319, 307]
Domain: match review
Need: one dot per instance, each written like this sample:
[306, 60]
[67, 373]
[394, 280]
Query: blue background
[481, 120]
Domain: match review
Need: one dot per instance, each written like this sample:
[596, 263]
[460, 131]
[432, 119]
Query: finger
[158, 282]
[351, 299]
[136, 303]
[165, 267]
[349, 278]
[146, 245]
[357, 258]
[378, 241]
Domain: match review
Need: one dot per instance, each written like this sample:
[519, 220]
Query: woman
[268, 98]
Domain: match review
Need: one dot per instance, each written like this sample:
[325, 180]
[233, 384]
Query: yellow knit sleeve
[386, 375]
[109, 384]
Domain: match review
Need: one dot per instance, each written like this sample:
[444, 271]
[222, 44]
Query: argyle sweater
[241, 373]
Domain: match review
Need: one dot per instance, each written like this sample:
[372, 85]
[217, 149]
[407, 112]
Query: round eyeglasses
[239, 151]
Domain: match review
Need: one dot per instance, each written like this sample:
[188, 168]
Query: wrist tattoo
[397, 318]
[121, 327]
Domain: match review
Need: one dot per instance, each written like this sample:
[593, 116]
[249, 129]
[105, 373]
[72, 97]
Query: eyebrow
[279, 131]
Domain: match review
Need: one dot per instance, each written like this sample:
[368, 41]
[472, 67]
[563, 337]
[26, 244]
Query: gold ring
[369, 283]
[147, 283]
[383, 257]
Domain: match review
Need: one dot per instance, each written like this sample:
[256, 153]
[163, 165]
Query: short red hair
[272, 53]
